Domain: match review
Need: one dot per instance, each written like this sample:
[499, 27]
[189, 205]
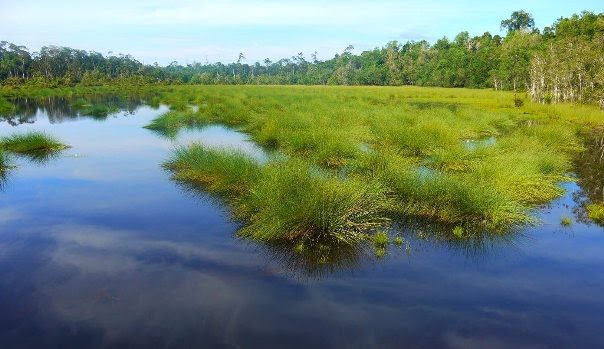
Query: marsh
[205, 229]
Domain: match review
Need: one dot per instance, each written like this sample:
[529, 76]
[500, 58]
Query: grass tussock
[36, 146]
[380, 239]
[293, 202]
[595, 212]
[31, 143]
[172, 121]
[228, 173]
[398, 240]
[96, 110]
[566, 221]
[458, 232]
[284, 199]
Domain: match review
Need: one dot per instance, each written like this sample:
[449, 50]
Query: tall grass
[31, 143]
[290, 201]
[226, 172]
[402, 149]
[6, 107]
[4, 162]
[169, 123]
[284, 199]
[36, 146]
[596, 213]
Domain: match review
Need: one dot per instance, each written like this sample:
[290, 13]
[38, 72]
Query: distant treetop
[519, 20]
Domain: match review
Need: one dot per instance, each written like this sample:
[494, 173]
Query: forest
[563, 62]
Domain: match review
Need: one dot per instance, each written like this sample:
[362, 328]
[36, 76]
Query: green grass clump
[458, 232]
[6, 107]
[380, 252]
[450, 198]
[31, 143]
[291, 201]
[80, 103]
[228, 173]
[566, 221]
[284, 200]
[169, 123]
[98, 110]
[36, 146]
[398, 240]
[596, 213]
[4, 162]
[381, 239]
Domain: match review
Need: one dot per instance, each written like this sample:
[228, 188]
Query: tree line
[563, 62]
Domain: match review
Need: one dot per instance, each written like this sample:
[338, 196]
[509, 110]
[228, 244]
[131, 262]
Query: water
[99, 248]
[473, 144]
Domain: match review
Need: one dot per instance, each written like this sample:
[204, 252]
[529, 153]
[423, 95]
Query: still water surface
[99, 248]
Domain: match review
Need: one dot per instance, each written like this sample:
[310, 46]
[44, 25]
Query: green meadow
[347, 162]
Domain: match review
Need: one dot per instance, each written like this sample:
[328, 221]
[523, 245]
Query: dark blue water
[100, 248]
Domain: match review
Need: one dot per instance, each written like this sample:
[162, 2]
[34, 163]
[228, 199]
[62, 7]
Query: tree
[519, 20]
[515, 58]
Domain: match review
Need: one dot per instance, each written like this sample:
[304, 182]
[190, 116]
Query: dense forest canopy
[564, 62]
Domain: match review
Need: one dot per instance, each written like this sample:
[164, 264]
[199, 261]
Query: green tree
[519, 20]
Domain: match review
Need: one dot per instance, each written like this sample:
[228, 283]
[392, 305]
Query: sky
[216, 31]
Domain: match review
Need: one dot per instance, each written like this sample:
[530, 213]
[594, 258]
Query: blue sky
[187, 31]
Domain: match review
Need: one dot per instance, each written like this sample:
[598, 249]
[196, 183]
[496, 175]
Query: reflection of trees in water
[589, 168]
[61, 109]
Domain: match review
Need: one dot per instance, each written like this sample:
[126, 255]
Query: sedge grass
[6, 107]
[417, 157]
[169, 123]
[36, 146]
[380, 239]
[4, 162]
[416, 163]
[566, 221]
[284, 199]
[31, 143]
[596, 213]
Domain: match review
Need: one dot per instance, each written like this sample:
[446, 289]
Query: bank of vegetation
[348, 162]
